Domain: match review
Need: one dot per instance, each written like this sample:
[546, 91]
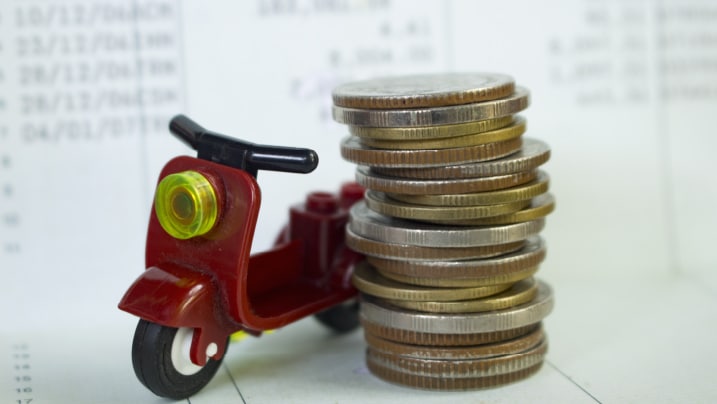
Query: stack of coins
[449, 225]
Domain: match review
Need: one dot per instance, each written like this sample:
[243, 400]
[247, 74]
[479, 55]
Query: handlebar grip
[186, 130]
[287, 159]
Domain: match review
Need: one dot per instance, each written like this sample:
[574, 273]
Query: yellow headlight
[186, 204]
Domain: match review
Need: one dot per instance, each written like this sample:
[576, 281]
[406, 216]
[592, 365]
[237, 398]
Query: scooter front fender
[179, 297]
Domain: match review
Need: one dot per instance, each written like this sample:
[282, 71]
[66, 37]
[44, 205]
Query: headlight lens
[186, 204]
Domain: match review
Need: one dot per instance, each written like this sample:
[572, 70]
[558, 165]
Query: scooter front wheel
[160, 357]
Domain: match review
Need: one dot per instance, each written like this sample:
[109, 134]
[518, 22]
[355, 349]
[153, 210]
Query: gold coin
[435, 339]
[516, 129]
[377, 182]
[521, 292]
[462, 282]
[379, 202]
[373, 248]
[423, 90]
[540, 206]
[520, 193]
[355, 152]
[366, 279]
[500, 348]
[430, 132]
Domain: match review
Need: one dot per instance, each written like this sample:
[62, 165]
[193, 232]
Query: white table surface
[611, 342]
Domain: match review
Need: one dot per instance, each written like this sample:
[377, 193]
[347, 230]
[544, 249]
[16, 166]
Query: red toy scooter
[201, 284]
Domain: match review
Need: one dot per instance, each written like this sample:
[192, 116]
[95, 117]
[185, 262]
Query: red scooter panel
[222, 253]
[307, 271]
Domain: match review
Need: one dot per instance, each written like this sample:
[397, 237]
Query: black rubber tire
[152, 362]
[341, 318]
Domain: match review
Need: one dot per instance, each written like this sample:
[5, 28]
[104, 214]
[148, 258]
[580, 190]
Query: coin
[511, 346]
[379, 202]
[375, 226]
[516, 129]
[425, 90]
[519, 193]
[529, 256]
[381, 313]
[391, 118]
[366, 279]
[519, 293]
[540, 207]
[371, 180]
[430, 132]
[507, 268]
[352, 150]
[533, 154]
[449, 383]
[460, 368]
[414, 253]
[436, 339]
[462, 282]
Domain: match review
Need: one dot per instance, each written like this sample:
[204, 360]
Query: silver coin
[460, 368]
[368, 178]
[533, 154]
[369, 224]
[414, 253]
[397, 118]
[425, 90]
[381, 313]
[485, 350]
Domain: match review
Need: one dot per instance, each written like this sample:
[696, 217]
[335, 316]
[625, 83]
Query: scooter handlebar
[240, 154]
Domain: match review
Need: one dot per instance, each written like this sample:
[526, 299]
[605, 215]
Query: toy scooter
[201, 284]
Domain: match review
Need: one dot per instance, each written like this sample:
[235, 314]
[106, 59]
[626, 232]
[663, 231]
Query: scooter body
[210, 286]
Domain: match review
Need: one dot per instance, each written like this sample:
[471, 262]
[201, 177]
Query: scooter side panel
[223, 253]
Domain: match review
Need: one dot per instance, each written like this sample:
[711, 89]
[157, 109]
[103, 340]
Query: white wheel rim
[181, 345]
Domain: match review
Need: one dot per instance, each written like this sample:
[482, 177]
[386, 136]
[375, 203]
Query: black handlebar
[237, 153]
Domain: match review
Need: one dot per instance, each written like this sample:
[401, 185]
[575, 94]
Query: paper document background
[624, 92]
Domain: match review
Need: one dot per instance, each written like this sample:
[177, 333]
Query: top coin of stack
[449, 226]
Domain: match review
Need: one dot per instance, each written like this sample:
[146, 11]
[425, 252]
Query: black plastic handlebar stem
[236, 153]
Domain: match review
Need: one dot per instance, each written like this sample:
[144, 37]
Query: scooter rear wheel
[160, 357]
[342, 318]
